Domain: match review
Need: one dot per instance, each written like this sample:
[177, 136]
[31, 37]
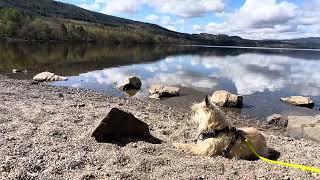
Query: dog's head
[208, 116]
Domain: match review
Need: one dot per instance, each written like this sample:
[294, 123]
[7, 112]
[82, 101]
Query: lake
[261, 75]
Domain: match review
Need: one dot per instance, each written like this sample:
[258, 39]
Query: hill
[47, 20]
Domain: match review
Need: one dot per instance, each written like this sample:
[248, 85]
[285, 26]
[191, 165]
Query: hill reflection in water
[262, 75]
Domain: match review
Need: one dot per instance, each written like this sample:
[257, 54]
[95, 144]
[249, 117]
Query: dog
[217, 136]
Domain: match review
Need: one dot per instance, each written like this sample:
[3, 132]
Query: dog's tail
[186, 147]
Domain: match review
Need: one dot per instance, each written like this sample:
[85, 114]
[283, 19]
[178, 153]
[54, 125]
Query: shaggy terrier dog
[217, 136]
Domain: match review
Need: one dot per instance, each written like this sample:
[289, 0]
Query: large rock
[131, 83]
[119, 124]
[225, 99]
[277, 120]
[163, 91]
[298, 101]
[48, 76]
[307, 127]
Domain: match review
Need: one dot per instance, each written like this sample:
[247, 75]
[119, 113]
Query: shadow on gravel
[124, 141]
[274, 155]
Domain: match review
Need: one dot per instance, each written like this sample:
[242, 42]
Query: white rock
[58, 78]
[15, 71]
[48, 76]
[298, 101]
[164, 91]
[225, 99]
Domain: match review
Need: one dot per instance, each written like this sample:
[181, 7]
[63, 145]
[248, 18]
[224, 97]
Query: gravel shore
[45, 133]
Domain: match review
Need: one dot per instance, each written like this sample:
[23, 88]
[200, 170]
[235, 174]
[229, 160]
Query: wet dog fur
[209, 117]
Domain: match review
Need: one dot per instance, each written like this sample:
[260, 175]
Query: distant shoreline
[14, 40]
[257, 47]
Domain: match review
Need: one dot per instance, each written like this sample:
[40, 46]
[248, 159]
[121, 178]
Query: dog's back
[241, 150]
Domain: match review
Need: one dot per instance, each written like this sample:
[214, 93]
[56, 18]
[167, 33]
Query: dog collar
[212, 134]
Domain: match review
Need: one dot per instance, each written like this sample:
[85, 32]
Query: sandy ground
[45, 133]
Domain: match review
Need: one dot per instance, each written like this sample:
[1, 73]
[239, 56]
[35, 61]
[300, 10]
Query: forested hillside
[47, 20]
[18, 24]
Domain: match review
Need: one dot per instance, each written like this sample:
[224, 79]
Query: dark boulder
[119, 124]
[132, 83]
[277, 120]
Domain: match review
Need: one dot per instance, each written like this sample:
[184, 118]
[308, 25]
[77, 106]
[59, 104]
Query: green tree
[64, 31]
[13, 15]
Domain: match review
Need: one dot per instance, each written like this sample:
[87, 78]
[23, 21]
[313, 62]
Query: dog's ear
[208, 101]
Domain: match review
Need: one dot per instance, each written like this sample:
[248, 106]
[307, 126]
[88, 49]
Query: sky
[252, 19]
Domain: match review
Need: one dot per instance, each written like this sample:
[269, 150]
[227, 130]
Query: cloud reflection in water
[248, 73]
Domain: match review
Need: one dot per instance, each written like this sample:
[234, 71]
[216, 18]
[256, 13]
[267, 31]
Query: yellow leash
[297, 166]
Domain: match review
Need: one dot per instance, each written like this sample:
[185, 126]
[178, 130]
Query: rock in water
[225, 99]
[48, 76]
[119, 124]
[154, 96]
[163, 91]
[278, 120]
[131, 83]
[58, 78]
[15, 71]
[298, 101]
[44, 76]
[307, 127]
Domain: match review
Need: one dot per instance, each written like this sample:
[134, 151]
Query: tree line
[16, 24]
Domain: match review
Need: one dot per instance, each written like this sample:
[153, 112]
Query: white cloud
[183, 8]
[188, 8]
[167, 22]
[95, 6]
[92, 7]
[268, 19]
[125, 6]
[152, 18]
[267, 13]
[255, 19]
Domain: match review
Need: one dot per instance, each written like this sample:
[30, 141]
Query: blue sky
[254, 19]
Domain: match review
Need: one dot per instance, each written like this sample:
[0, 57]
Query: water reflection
[262, 75]
[248, 73]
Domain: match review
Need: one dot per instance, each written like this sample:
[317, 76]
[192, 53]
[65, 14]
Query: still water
[261, 75]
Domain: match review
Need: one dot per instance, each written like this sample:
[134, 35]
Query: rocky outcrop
[277, 120]
[225, 99]
[131, 83]
[298, 101]
[48, 76]
[158, 91]
[119, 124]
[307, 127]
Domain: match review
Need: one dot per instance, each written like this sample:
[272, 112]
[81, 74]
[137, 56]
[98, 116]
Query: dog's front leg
[208, 147]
